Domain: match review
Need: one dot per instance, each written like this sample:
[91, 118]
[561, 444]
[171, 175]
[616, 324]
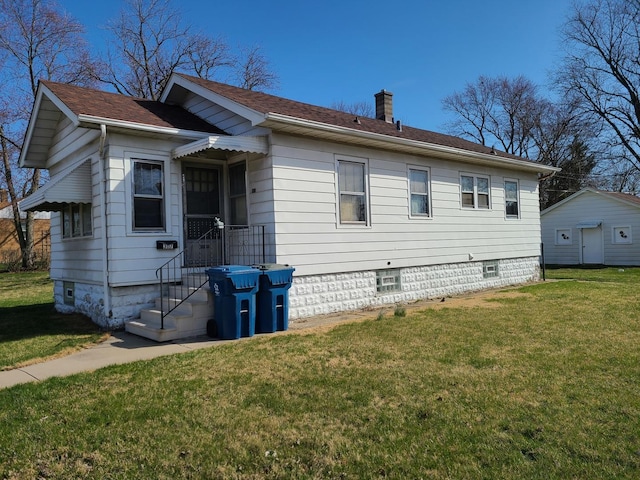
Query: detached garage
[592, 227]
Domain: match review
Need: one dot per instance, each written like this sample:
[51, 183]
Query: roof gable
[625, 198]
[90, 107]
[87, 102]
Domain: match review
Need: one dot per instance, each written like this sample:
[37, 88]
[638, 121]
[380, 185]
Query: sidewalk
[123, 347]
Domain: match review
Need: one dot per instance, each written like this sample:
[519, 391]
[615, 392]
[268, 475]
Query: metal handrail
[220, 245]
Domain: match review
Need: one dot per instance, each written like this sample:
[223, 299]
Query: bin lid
[241, 276]
[281, 275]
[273, 266]
[227, 269]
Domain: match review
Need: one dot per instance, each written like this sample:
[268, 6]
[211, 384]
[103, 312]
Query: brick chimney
[384, 106]
[4, 195]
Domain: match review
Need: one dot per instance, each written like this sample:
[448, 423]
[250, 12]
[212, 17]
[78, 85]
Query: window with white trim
[475, 191]
[148, 195]
[76, 220]
[352, 191]
[622, 235]
[563, 236]
[419, 192]
[238, 194]
[511, 196]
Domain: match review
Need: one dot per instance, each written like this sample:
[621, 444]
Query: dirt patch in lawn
[482, 299]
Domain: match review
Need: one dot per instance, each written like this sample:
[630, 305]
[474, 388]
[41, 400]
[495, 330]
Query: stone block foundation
[318, 294]
[323, 294]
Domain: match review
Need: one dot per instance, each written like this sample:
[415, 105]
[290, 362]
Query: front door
[592, 246]
[202, 206]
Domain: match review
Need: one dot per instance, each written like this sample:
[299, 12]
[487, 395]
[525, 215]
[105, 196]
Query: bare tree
[602, 67]
[495, 110]
[473, 107]
[253, 71]
[512, 114]
[361, 108]
[37, 41]
[151, 40]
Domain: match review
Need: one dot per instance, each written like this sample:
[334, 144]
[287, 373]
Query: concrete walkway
[123, 347]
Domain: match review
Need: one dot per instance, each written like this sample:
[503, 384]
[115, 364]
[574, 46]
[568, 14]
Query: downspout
[105, 239]
[542, 259]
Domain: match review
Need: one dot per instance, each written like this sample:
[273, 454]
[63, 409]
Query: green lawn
[540, 382]
[30, 328]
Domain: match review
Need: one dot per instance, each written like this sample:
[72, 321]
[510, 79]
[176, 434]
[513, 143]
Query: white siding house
[592, 227]
[368, 211]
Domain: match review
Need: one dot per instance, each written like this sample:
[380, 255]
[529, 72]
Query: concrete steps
[188, 320]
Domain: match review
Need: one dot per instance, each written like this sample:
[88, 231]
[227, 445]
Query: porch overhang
[237, 143]
[589, 224]
[72, 185]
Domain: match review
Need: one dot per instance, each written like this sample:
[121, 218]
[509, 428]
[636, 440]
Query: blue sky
[347, 50]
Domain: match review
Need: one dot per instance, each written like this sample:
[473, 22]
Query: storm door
[202, 209]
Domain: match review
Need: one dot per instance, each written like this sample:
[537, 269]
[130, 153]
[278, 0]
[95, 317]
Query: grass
[30, 329]
[540, 382]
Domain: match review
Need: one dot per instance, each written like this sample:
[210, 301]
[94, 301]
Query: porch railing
[222, 245]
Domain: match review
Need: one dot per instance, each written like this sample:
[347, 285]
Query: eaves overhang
[142, 127]
[46, 107]
[298, 126]
[236, 143]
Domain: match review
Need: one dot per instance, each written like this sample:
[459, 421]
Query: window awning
[589, 224]
[236, 143]
[72, 185]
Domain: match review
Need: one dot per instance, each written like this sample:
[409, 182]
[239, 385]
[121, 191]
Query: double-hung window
[511, 198]
[419, 192]
[475, 191]
[148, 195]
[352, 191]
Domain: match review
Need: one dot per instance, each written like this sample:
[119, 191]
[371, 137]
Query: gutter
[428, 148]
[109, 122]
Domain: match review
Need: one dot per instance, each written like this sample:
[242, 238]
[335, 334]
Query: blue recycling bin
[273, 297]
[234, 290]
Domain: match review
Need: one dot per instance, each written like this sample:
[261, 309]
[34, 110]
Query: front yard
[536, 382]
[30, 329]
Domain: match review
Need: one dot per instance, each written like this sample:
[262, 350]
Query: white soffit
[589, 224]
[236, 143]
[72, 185]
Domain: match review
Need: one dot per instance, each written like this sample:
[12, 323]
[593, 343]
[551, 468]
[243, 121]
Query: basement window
[490, 269]
[68, 295]
[388, 281]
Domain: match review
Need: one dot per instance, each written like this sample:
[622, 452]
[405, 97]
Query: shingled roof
[265, 103]
[627, 197]
[97, 103]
